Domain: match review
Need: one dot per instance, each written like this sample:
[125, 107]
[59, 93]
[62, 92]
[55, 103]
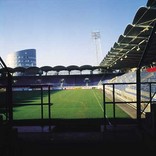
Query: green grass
[67, 104]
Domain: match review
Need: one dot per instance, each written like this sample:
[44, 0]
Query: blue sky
[61, 30]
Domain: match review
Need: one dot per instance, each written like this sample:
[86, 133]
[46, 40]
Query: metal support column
[49, 107]
[138, 91]
[104, 107]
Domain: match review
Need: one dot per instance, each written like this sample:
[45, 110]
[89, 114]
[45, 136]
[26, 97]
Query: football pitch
[65, 104]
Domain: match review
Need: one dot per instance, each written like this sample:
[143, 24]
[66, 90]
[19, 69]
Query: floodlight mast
[97, 38]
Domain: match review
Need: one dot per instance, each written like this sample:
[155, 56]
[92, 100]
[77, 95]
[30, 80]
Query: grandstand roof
[40, 70]
[151, 3]
[136, 46]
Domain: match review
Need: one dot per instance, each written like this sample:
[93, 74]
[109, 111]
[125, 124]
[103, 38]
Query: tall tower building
[23, 58]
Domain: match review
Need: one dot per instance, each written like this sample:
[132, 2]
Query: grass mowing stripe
[78, 104]
[66, 104]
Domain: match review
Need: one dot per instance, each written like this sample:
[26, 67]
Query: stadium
[85, 109]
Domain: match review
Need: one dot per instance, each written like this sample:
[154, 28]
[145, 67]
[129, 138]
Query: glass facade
[24, 58]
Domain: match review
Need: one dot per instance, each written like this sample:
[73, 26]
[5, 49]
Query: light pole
[96, 36]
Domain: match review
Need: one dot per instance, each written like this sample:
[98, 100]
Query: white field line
[98, 101]
[101, 107]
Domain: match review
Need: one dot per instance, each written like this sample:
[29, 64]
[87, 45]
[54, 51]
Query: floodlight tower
[97, 39]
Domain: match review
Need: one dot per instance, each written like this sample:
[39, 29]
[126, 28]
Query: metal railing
[111, 90]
